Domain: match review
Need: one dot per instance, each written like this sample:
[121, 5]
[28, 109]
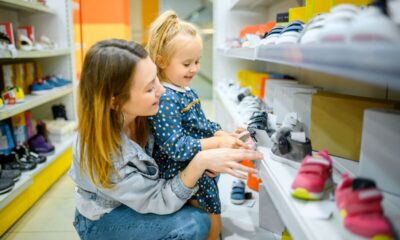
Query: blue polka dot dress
[177, 128]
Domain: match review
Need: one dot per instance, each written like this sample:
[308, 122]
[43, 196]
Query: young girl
[180, 127]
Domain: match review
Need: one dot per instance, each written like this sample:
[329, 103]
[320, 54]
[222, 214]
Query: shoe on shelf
[40, 87]
[259, 120]
[38, 144]
[13, 95]
[24, 153]
[314, 177]
[12, 162]
[372, 25]
[359, 202]
[272, 36]
[59, 112]
[291, 33]
[310, 34]
[238, 195]
[15, 174]
[6, 185]
[289, 150]
[1, 103]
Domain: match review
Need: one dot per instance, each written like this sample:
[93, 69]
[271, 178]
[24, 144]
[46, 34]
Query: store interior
[315, 84]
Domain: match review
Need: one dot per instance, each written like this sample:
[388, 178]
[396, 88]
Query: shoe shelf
[230, 107]
[6, 55]
[340, 164]
[32, 101]
[278, 178]
[241, 53]
[376, 64]
[27, 177]
[26, 6]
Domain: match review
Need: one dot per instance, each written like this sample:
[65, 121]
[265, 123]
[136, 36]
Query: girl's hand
[221, 133]
[231, 142]
[211, 174]
[225, 160]
[237, 132]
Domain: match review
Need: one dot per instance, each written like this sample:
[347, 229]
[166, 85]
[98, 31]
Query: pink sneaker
[314, 177]
[359, 202]
[369, 225]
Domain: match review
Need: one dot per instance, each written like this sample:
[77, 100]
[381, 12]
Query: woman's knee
[201, 223]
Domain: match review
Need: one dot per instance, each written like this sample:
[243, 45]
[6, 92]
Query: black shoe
[24, 152]
[12, 162]
[290, 151]
[6, 184]
[15, 175]
[59, 112]
[259, 120]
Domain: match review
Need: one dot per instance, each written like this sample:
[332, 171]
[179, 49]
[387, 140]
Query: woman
[119, 194]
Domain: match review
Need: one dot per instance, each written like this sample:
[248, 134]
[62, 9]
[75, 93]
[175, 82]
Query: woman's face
[145, 91]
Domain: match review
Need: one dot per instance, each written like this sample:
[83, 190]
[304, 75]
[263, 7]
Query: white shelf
[230, 107]
[340, 164]
[249, 4]
[32, 101]
[6, 55]
[376, 64]
[26, 6]
[26, 177]
[278, 178]
[241, 53]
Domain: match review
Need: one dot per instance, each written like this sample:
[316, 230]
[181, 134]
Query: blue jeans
[124, 223]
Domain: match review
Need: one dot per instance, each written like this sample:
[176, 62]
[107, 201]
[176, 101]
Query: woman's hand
[221, 160]
[226, 160]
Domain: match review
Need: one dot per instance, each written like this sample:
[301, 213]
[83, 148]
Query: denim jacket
[136, 184]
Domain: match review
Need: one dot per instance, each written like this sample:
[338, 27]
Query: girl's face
[145, 91]
[185, 62]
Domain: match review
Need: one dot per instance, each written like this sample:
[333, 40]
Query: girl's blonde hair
[162, 32]
[107, 73]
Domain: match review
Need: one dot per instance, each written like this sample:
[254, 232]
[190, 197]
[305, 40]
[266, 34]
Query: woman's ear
[160, 62]
[113, 103]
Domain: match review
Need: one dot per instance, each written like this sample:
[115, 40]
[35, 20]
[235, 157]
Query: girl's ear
[160, 62]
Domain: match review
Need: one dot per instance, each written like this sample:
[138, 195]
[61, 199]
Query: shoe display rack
[344, 68]
[53, 20]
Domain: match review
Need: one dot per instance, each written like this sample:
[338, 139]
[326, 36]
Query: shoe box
[336, 122]
[284, 99]
[379, 156]
[271, 85]
[302, 105]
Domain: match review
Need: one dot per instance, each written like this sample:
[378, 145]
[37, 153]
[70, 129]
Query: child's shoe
[238, 195]
[314, 177]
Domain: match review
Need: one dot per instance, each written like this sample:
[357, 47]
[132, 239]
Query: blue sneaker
[41, 87]
[238, 195]
[53, 81]
[62, 80]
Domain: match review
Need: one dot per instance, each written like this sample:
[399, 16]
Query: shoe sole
[5, 190]
[304, 194]
[237, 202]
[284, 160]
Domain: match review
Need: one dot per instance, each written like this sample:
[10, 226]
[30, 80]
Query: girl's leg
[215, 219]
[216, 226]
[125, 223]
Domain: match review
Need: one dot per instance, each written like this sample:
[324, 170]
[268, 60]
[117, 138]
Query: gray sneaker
[290, 151]
[6, 184]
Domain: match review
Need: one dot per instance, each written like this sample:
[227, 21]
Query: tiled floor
[51, 217]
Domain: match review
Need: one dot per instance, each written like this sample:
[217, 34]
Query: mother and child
[146, 159]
